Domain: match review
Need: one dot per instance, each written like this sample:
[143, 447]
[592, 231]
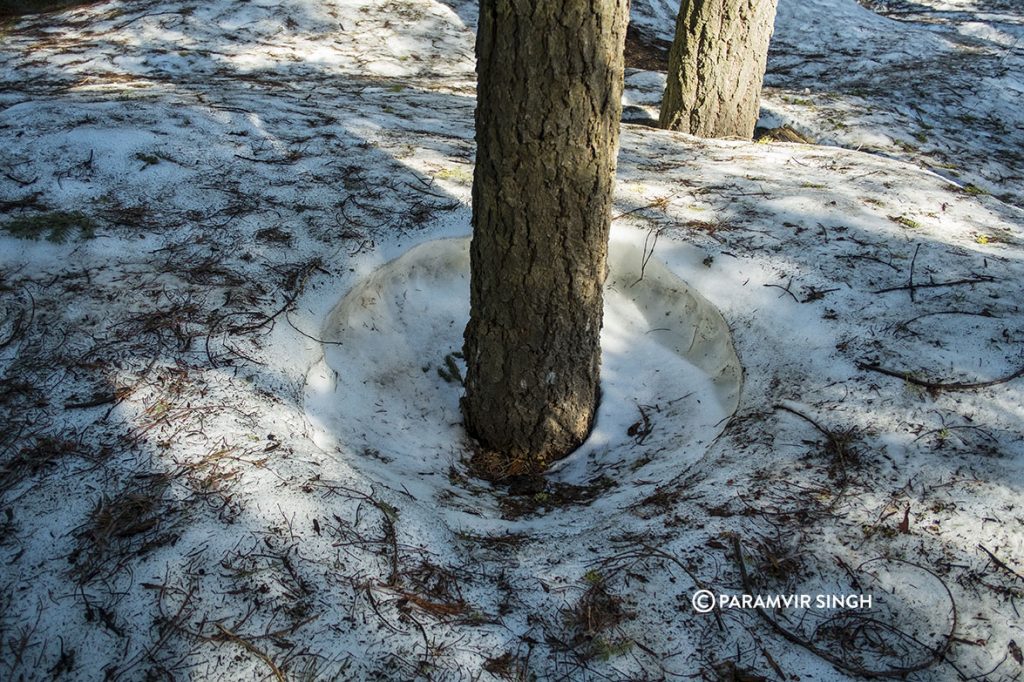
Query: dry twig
[940, 385]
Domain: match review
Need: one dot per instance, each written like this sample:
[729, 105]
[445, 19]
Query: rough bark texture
[716, 67]
[547, 128]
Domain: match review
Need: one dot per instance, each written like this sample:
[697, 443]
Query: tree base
[496, 467]
[385, 399]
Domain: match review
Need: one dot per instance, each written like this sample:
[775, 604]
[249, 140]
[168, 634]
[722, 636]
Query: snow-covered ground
[207, 182]
[934, 82]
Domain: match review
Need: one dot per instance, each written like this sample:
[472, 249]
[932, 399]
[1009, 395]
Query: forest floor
[189, 189]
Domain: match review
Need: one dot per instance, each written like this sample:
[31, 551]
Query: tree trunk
[547, 128]
[716, 67]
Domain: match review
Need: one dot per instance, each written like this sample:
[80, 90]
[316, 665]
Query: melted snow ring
[382, 399]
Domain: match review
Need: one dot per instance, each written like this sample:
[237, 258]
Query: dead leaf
[905, 523]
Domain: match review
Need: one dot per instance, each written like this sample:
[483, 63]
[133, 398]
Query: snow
[185, 483]
[395, 414]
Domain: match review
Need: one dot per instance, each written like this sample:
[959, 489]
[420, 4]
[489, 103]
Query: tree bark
[547, 127]
[716, 67]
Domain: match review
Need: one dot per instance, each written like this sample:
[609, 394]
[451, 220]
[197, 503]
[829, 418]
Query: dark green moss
[54, 226]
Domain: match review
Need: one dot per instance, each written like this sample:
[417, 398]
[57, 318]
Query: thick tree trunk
[547, 128]
[716, 67]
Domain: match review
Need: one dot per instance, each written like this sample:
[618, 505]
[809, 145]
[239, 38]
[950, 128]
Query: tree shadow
[13, 8]
[467, 10]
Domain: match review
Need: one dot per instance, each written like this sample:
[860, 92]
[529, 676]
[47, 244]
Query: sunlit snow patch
[386, 399]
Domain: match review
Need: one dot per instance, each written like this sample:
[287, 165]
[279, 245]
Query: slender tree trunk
[716, 67]
[547, 128]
